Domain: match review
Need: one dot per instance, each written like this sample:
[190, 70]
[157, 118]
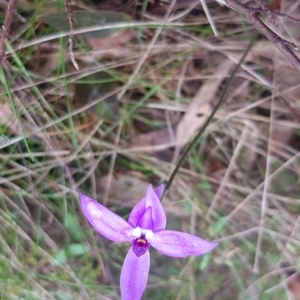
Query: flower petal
[134, 275]
[180, 244]
[159, 190]
[107, 223]
[146, 221]
[137, 212]
[158, 213]
[152, 199]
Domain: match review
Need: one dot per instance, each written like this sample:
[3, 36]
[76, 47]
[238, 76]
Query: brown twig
[253, 15]
[277, 13]
[69, 9]
[6, 28]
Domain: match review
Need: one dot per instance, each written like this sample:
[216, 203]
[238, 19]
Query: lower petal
[134, 275]
[180, 244]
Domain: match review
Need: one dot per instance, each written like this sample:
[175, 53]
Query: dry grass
[120, 123]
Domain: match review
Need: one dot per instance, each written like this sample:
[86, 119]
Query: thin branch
[277, 13]
[253, 15]
[11, 6]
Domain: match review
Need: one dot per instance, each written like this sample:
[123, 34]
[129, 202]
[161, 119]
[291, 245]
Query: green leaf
[273, 257]
[187, 208]
[60, 257]
[71, 222]
[74, 250]
[78, 249]
[219, 225]
[60, 21]
[62, 296]
[73, 227]
[205, 261]
[204, 186]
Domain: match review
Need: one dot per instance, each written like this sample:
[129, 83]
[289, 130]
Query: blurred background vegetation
[121, 121]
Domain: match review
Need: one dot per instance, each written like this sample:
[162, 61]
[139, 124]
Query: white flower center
[148, 234]
[138, 232]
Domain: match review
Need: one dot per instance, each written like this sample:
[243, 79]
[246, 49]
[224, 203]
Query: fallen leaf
[200, 107]
[153, 138]
[274, 5]
[115, 41]
[294, 287]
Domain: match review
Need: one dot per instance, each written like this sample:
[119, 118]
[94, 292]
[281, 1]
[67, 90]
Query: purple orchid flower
[145, 227]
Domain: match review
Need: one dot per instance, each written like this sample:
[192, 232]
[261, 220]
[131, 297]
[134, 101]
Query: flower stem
[199, 134]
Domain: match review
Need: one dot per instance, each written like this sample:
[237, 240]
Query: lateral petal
[134, 275]
[106, 222]
[137, 212]
[180, 244]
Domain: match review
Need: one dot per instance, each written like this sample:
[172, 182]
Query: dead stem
[253, 15]
[6, 28]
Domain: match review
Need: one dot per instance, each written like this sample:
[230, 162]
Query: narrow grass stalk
[11, 100]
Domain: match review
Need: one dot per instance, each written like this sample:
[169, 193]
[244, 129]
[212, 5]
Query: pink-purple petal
[146, 221]
[137, 212]
[180, 244]
[152, 199]
[107, 223]
[134, 275]
[159, 190]
[158, 212]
